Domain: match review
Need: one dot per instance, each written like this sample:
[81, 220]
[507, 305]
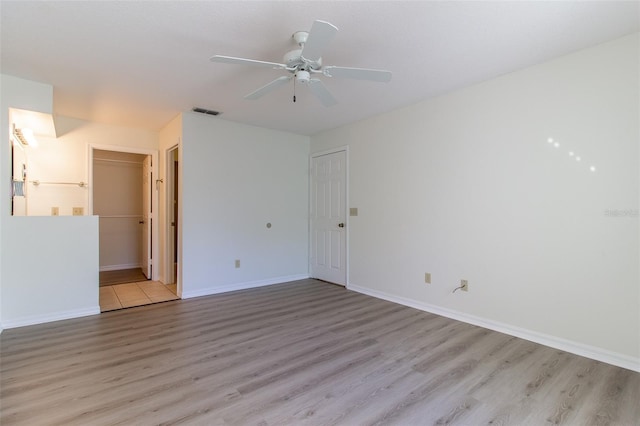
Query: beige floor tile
[108, 299]
[136, 302]
[134, 294]
[157, 291]
[110, 307]
[151, 285]
[164, 297]
[128, 292]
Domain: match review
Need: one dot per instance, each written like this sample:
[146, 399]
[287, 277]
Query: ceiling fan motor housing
[293, 58]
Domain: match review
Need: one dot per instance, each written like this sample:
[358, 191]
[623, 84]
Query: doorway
[124, 195]
[328, 226]
[172, 230]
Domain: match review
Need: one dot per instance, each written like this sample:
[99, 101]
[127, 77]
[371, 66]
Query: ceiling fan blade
[380, 76]
[268, 87]
[320, 91]
[320, 36]
[243, 61]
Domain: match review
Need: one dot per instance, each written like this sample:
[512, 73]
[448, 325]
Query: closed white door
[147, 216]
[328, 257]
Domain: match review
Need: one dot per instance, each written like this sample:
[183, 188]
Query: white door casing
[328, 217]
[147, 216]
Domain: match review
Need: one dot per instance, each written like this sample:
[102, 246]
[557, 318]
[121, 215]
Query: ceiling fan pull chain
[294, 90]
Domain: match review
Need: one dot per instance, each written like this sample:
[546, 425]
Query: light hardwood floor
[302, 353]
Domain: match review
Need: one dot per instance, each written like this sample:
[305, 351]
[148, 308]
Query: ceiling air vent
[205, 111]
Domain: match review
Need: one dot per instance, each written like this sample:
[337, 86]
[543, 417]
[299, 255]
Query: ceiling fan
[305, 62]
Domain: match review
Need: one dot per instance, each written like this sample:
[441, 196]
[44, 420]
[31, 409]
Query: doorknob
[341, 225]
[141, 222]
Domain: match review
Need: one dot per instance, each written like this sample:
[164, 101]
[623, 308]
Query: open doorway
[124, 195]
[173, 218]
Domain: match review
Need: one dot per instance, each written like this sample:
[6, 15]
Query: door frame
[314, 155]
[154, 193]
[170, 180]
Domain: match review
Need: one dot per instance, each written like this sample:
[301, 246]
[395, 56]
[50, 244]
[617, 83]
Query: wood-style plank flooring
[301, 353]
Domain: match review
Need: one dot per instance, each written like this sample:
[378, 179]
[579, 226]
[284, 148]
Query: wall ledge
[50, 317]
[242, 286]
[573, 347]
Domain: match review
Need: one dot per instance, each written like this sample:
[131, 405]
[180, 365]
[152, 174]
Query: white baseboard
[577, 348]
[241, 286]
[120, 267]
[54, 316]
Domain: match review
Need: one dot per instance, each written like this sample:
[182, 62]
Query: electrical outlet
[237, 263]
[78, 211]
[55, 211]
[465, 285]
[427, 277]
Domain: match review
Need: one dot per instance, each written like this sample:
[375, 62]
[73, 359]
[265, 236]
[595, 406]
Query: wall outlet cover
[78, 211]
[427, 277]
[465, 285]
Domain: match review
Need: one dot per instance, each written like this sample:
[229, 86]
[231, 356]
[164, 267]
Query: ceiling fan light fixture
[306, 60]
[303, 76]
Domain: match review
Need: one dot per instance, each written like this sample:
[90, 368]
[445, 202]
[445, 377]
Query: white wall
[51, 272]
[466, 186]
[235, 180]
[59, 277]
[56, 160]
[49, 265]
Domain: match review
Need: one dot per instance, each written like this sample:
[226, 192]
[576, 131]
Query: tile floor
[135, 294]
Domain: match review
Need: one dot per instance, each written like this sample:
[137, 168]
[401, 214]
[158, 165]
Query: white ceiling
[140, 63]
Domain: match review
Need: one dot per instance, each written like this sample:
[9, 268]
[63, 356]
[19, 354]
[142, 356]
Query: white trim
[599, 354]
[120, 267]
[242, 286]
[344, 148]
[155, 159]
[55, 316]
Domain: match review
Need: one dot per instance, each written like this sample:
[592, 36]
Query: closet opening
[123, 194]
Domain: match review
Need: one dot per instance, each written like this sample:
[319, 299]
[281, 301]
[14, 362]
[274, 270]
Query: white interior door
[328, 260]
[147, 216]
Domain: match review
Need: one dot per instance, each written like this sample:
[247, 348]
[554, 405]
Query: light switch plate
[353, 211]
[55, 211]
